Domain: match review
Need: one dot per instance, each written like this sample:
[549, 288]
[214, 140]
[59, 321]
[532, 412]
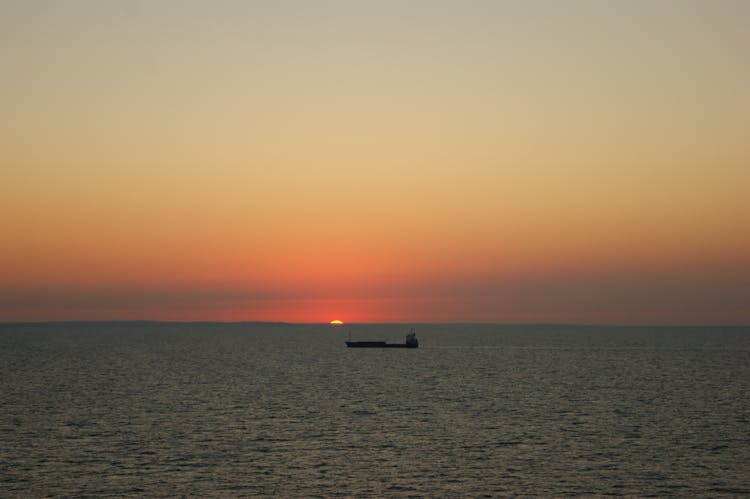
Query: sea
[278, 410]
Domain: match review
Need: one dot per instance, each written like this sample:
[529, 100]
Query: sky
[376, 161]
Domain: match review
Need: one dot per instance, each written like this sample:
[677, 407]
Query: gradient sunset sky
[383, 161]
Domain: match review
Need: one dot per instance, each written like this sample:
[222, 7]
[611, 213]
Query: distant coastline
[140, 323]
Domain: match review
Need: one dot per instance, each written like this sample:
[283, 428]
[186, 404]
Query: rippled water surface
[248, 410]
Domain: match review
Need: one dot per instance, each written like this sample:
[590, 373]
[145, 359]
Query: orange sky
[376, 161]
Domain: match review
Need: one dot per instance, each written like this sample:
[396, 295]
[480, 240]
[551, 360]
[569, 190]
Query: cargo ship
[410, 342]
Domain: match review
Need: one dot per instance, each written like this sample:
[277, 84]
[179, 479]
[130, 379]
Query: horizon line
[438, 323]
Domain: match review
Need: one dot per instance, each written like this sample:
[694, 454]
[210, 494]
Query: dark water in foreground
[233, 410]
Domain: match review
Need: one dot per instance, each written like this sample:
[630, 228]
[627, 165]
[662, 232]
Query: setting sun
[336, 322]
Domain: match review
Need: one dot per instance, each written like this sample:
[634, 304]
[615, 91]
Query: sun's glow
[336, 322]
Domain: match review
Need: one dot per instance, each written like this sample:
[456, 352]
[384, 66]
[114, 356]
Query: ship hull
[377, 344]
